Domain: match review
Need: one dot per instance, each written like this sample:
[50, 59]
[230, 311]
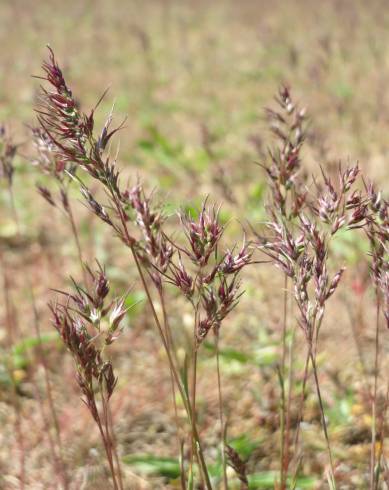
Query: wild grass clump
[212, 287]
[187, 261]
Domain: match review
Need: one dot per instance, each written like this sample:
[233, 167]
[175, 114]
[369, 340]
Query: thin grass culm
[287, 185]
[378, 236]
[301, 249]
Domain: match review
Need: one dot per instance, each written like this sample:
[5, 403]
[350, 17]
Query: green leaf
[340, 413]
[266, 480]
[257, 193]
[350, 245]
[135, 303]
[30, 342]
[229, 354]
[191, 211]
[19, 358]
[149, 464]
[266, 356]
[244, 446]
[343, 90]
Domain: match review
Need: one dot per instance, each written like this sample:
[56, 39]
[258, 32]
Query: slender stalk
[192, 401]
[182, 467]
[374, 395]
[194, 373]
[301, 408]
[324, 422]
[108, 452]
[289, 403]
[282, 381]
[109, 436]
[315, 325]
[14, 211]
[76, 239]
[111, 433]
[186, 402]
[174, 370]
[193, 387]
[221, 416]
[194, 381]
[282, 424]
[169, 339]
[167, 329]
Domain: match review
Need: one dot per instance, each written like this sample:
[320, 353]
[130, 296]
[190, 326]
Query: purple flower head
[203, 234]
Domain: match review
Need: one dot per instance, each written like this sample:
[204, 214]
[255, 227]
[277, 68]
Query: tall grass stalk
[170, 342]
[221, 415]
[282, 376]
[374, 396]
[138, 223]
[287, 123]
[185, 400]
